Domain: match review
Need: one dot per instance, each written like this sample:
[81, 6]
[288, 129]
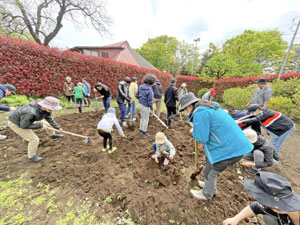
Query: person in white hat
[162, 146]
[33, 116]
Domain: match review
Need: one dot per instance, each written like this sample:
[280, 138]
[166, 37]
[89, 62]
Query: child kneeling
[105, 127]
[162, 146]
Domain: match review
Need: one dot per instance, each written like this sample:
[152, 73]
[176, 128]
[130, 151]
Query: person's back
[157, 90]
[78, 90]
[171, 96]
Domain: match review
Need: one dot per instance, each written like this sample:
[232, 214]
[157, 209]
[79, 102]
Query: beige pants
[30, 136]
[157, 103]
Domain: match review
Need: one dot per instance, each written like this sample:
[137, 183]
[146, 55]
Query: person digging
[33, 116]
[163, 147]
[6, 90]
[222, 139]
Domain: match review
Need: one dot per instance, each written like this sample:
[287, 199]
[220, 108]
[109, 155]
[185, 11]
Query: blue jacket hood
[221, 137]
[145, 95]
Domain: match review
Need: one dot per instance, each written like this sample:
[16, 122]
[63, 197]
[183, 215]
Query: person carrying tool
[133, 88]
[79, 95]
[163, 147]
[157, 90]
[6, 90]
[87, 92]
[123, 98]
[105, 94]
[33, 116]
[262, 94]
[105, 128]
[145, 97]
[275, 200]
[182, 90]
[278, 125]
[222, 139]
[68, 89]
[263, 154]
[209, 96]
[171, 97]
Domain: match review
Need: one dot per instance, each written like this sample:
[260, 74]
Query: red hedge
[221, 85]
[194, 84]
[40, 71]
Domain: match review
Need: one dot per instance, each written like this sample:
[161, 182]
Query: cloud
[195, 28]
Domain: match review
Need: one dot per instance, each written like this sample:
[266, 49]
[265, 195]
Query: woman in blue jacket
[222, 139]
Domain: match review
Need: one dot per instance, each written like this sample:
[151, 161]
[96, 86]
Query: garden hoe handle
[66, 132]
[196, 155]
[160, 121]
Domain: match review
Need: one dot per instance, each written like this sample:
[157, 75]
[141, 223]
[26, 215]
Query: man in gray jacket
[262, 94]
[33, 116]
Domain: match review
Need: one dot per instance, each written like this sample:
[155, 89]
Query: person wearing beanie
[157, 90]
[105, 128]
[104, 93]
[209, 96]
[278, 125]
[79, 96]
[33, 116]
[275, 201]
[133, 88]
[123, 98]
[262, 94]
[87, 92]
[6, 90]
[145, 96]
[263, 154]
[68, 89]
[171, 97]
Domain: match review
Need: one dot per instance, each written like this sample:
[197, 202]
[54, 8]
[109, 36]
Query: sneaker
[146, 134]
[153, 156]
[201, 183]
[141, 132]
[2, 137]
[54, 136]
[103, 149]
[197, 194]
[112, 150]
[124, 124]
[166, 162]
[134, 119]
[251, 171]
[35, 158]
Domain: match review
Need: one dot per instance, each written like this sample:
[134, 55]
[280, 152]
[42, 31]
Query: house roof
[125, 54]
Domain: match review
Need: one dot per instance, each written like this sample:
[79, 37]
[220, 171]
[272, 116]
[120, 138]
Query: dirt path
[128, 180]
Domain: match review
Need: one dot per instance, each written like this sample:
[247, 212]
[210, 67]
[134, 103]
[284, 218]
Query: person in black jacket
[276, 124]
[171, 97]
[123, 98]
[157, 90]
[263, 155]
[105, 94]
[33, 116]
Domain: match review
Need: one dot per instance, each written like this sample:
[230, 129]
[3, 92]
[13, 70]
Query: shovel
[160, 121]
[96, 105]
[86, 138]
[198, 169]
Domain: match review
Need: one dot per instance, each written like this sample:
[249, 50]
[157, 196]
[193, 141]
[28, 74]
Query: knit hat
[251, 135]
[213, 92]
[127, 80]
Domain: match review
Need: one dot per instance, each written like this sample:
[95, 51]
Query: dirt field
[127, 183]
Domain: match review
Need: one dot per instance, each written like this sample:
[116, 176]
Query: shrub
[15, 100]
[194, 83]
[202, 91]
[281, 104]
[295, 114]
[286, 88]
[237, 97]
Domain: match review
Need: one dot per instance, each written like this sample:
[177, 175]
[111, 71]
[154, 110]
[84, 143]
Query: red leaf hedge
[194, 84]
[37, 70]
[221, 85]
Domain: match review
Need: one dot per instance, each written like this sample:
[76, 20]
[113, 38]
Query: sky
[210, 20]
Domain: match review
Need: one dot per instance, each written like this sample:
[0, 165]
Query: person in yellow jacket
[133, 88]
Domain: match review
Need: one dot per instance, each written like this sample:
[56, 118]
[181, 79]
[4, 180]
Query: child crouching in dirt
[105, 127]
[162, 146]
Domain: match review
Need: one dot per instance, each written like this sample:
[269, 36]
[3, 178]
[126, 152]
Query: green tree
[207, 55]
[220, 66]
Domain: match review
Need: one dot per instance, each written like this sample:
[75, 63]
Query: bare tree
[42, 19]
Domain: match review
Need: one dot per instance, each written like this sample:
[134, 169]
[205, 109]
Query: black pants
[171, 114]
[87, 100]
[79, 104]
[106, 136]
[70, 97]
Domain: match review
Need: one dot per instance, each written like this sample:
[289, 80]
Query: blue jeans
[128, 109]
[122, 108]
[106, 103]
[131, 109]
[154, 148]
[277, 141]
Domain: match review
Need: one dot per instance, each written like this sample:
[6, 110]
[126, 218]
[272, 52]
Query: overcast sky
[211, 20]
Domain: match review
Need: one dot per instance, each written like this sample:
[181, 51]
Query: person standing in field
[87, 92]
[68, 89]
[79, 95]
[182, 90]
[123, 98]
[171, 97]
[105, 94]
[133, 88]
[157, 90]
[262, 94]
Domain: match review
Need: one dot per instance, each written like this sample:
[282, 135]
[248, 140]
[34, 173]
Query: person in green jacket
[78, 90]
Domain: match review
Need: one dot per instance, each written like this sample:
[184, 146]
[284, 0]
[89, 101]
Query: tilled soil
[150, 192]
